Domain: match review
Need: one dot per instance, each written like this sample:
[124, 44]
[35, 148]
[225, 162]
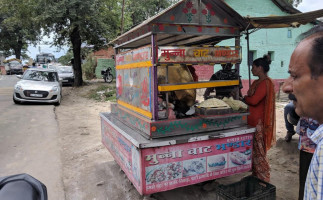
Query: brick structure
[105, 53]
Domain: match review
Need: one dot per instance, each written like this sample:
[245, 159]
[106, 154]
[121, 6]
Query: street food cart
[158, 149]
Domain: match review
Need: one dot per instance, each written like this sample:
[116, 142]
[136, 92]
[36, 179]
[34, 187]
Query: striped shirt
[314, 180]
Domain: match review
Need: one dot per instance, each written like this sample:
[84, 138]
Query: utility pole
[122, 16]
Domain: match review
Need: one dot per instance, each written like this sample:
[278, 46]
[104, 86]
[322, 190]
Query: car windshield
[63, 70]
[14, 64]
[45, 58]
[40, 76]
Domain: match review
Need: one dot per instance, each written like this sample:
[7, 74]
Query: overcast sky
[32, 51]
[305, 6]
[310, 5]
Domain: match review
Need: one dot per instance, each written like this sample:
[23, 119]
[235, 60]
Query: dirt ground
[90, 173]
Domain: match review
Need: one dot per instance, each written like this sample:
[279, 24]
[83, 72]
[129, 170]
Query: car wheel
[15, 101]
[109, 78]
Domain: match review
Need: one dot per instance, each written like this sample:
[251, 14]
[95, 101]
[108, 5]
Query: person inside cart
[227, 73]
[261, 101]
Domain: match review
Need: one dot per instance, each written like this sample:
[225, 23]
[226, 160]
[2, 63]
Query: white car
[38, 85]
[66, 74]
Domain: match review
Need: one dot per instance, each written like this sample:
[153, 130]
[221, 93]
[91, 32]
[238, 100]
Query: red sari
[261, 101]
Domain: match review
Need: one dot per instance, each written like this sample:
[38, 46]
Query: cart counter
[163, 164]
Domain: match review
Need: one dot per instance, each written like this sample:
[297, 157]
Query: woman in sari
[261, 101]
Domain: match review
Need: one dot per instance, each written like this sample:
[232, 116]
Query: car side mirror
[19, 76]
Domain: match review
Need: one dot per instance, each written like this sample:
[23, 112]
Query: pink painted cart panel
[162, 168]
[170, 167]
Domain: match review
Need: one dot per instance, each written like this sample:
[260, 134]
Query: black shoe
[289, 136]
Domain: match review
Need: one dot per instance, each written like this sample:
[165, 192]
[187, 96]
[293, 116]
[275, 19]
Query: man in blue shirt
[305, 87]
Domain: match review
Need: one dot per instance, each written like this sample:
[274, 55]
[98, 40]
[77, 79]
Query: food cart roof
[204, 22]
[188, 22]
[293, 20]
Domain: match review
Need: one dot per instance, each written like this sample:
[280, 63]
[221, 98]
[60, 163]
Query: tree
[138, 11]
[18, 26]
[295, 3]
[77, 22]
[94, 22]
[66, 59]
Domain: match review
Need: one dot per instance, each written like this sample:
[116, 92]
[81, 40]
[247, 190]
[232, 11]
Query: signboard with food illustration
[159, 168]
[191, 55]
[175, 166]
[133, 80]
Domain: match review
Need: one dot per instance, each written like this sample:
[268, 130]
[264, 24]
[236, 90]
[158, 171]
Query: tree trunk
[76, 43]
[17, 49]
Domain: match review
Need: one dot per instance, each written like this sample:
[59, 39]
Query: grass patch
[103, 93]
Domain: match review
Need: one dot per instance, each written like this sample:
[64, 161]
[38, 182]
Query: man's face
[307, 90]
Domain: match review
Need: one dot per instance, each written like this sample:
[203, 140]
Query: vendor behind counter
[227, 73]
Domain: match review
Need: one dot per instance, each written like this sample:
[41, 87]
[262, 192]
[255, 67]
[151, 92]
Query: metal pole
[248, 54]
[237, 67]
[122, 10]
[154, 99]
[167, 97]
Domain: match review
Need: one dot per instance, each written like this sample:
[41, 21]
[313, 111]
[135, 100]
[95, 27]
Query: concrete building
[279, 42]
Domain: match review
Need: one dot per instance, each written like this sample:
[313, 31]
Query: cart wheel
[109, 78]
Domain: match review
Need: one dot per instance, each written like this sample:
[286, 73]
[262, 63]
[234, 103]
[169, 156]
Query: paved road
[29, 141]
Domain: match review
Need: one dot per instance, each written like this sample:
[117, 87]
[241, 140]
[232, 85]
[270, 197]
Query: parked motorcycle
[107, 75]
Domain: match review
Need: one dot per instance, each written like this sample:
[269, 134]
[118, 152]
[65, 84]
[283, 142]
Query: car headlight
[18, 87]
[54, 89]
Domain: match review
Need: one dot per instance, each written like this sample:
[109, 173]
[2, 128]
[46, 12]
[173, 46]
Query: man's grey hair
[316, 55]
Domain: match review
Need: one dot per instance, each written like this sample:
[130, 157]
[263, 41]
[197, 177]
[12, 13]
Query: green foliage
[77, 22]
[295, 3]
[66, 59]
[19, 26]
[103, 93]
[89, 67]
[88, 16]
[138, 11]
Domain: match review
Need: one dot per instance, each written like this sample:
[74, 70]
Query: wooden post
[122, 11]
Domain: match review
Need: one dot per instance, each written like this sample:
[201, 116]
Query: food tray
[213, 111]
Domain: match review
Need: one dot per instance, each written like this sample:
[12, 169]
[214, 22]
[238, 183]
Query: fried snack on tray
[235, 104]
[213, 103]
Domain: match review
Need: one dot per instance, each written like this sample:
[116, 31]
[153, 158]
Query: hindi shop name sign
[134, 56]
[199, 55]
[185, 164]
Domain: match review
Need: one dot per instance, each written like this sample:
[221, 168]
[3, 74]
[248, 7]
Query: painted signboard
[134, 56]
[191, 55]
[166, 128]
[124, 153]
[179, 165]
[157, 169]
[133, 82]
